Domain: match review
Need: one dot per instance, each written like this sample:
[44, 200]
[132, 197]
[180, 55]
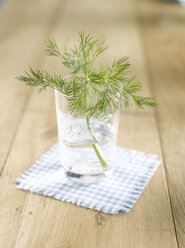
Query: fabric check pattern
[132, 172]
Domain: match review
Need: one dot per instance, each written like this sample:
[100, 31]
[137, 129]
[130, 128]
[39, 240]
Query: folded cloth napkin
[119, 192]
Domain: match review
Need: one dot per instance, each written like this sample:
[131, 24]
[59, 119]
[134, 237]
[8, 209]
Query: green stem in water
[95, 146]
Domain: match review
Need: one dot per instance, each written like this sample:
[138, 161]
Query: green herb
[108, 85]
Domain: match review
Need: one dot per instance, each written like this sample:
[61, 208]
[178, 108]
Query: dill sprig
[90, 91]
[43, 79]
[108, 84]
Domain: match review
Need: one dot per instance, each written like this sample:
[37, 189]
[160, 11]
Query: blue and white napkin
[133, 170]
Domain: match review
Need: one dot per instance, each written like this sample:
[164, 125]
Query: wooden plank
[28, 146]
[17, 53]
[163, 38]
[50, 223]
[21, 46]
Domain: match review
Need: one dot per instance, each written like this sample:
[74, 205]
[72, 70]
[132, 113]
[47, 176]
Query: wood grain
[164, 37]
[19, 50]
[37, 221]
[59, 224]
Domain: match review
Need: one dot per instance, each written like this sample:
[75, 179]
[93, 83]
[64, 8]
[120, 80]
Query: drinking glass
[87, 147]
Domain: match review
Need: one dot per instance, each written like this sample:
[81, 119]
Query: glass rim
[56, 91]
[62, 94]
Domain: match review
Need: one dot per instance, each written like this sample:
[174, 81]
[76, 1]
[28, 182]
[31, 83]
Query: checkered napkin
[119, 192]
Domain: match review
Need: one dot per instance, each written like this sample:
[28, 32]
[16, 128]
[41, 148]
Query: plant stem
[95, 146]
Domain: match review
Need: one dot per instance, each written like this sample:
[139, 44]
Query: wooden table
[152, 33]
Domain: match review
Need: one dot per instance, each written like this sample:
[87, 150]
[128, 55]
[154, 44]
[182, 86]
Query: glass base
[88, 179]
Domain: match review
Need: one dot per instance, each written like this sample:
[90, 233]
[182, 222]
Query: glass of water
[87, 146]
